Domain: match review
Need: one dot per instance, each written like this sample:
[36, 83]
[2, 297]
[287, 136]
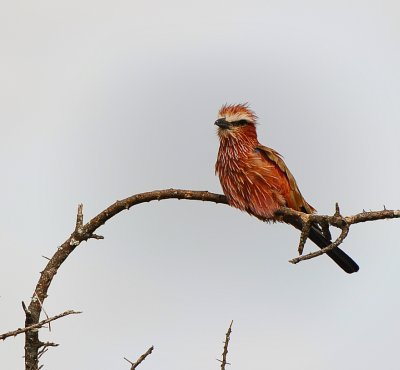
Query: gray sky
[101, 100]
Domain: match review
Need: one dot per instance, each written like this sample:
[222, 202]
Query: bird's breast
[251, 183]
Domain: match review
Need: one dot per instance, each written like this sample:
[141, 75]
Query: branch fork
[80, 233]
[135, 364]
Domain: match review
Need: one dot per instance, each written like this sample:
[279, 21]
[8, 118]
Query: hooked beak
[222, 123]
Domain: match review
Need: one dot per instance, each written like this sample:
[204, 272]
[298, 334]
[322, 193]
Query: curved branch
[336, 243]
[83, 232]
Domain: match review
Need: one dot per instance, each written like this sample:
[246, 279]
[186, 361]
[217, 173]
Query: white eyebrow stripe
[236, 117]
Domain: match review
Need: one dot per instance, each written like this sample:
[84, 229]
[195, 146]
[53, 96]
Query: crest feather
[237, 112]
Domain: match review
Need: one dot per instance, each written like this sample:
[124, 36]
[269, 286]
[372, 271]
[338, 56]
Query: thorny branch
[83, 232]
[39, 325]
[337, 220]
[225, 351]
[140, 359]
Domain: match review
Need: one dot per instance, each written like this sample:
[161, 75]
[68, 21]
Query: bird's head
[235, 119]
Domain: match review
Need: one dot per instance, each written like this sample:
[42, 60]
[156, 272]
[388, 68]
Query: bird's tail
[341, 258]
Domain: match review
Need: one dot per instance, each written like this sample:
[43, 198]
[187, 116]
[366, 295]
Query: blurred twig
[225, 351]
[38, 325]
[140, 359]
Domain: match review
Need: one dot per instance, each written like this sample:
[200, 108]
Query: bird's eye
[241, 122]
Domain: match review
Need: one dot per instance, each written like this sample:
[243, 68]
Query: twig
[226, 343]
[38, 325]
[331, 246]
[140, 359]
[44, 347]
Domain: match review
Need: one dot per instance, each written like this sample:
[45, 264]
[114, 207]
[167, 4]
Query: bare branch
[335, 244]
[44, 347]
[84, 232]
[372, 216]
[38, 325]
[226, 343]
[140, 359]
[288, 214]
[337, 220]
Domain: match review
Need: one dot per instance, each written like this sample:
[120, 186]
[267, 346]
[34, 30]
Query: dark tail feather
[342, 259]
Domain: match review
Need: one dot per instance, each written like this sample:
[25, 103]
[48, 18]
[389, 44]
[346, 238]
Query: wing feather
[297, 201]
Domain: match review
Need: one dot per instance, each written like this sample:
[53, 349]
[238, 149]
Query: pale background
[103, 99]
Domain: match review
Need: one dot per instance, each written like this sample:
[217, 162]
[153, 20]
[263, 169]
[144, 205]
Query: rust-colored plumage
[255, 179]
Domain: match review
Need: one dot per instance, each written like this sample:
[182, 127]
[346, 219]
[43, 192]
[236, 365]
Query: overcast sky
[100, 100]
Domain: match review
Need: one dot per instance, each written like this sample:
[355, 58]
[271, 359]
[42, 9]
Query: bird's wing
[296, 200]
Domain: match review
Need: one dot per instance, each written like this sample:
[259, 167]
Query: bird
[256, 180]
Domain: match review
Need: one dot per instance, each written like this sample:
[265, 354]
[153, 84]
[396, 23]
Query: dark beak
[222, 123]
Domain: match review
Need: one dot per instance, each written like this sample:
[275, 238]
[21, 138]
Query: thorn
[95, 236]
[226, 363]
[337, 210]
[27, 312]
[128, 361]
